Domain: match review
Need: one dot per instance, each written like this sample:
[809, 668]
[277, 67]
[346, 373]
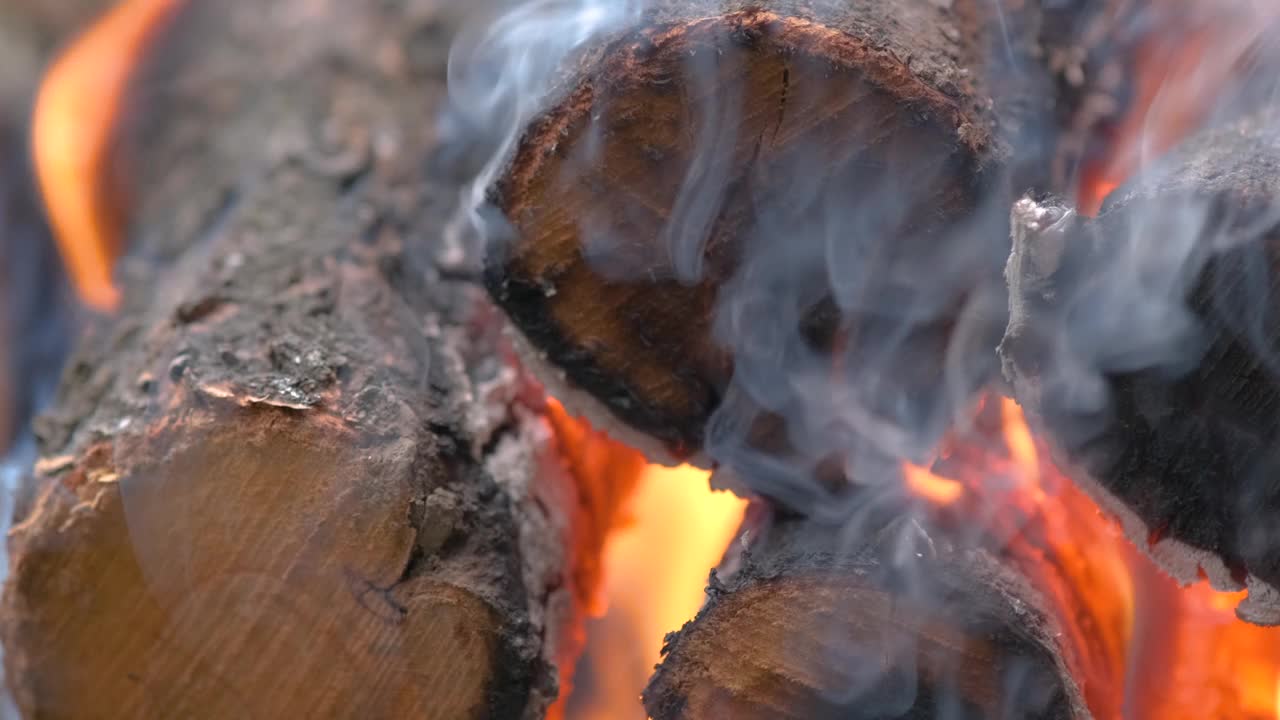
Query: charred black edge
[520, 671]
[525, 301]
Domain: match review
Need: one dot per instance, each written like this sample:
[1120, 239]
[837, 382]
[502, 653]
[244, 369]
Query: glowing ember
[75, 113]
[656, 569]
[1145, 649]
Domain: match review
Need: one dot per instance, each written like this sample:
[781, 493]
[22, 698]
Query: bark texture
[299, 474]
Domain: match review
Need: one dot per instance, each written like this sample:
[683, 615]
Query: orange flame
[75, 113]
[1188, 656]
[1142, 648]
[1190, 54]
[656, 569]
[660, 529]
[606, 473]
[942, 491]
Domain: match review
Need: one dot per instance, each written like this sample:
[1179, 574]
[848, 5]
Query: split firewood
[813, 621]
[1145, 344]
[299, 474]
[680, 147]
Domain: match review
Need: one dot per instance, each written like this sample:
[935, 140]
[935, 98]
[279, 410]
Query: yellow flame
[929, 486]
[1017, 437]
[656, 569]
[75, 112]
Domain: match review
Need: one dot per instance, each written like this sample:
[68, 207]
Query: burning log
[812, 622]
[683, 144]
[298, 473]
[1145, 344]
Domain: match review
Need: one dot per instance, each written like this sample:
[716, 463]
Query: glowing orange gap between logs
[1147, 649]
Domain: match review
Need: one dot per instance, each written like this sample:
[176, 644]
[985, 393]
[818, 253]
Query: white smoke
[502, 72]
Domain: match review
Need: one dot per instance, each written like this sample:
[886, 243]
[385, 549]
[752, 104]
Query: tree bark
[677, 149]
[1145, 343]
[815, 621]
[299, 474]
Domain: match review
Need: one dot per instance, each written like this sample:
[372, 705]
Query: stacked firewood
[305, 470]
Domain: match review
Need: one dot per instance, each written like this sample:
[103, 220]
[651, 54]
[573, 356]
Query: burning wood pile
[389, 306]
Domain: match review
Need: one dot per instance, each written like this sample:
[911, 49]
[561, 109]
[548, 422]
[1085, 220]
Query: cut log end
[799, 634]
[633, 197]
[230, 568]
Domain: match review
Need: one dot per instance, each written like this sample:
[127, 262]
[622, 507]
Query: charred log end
[674, 135]
[831, 643]
[259, 562]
